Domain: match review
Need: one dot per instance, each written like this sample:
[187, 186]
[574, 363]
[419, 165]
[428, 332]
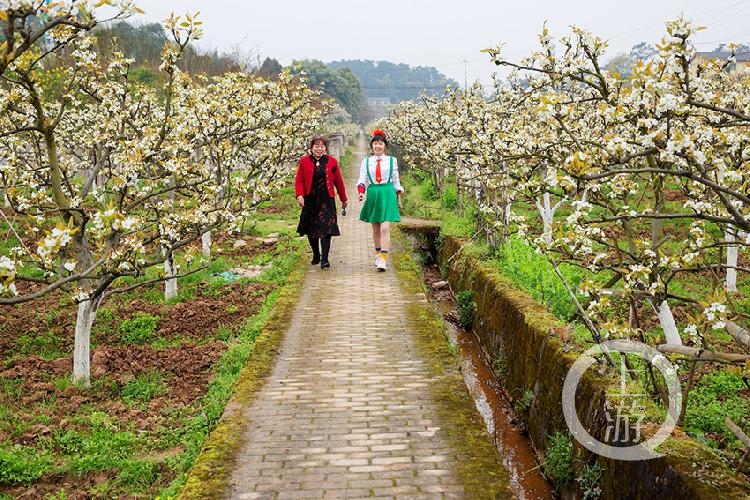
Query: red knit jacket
[303, 180]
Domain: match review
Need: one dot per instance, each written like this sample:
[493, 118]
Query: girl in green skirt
[378, 178]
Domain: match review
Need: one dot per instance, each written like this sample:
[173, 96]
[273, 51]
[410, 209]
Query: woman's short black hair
[378, 135]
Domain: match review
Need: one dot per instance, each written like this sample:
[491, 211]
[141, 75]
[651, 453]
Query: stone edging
[512, 325]
[210, 475]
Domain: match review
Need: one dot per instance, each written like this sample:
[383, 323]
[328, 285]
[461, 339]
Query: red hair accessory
[377, 131]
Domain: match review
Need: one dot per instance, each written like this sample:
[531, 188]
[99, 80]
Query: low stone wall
[524, 337]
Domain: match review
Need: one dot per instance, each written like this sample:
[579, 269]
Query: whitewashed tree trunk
[547, 211]
[81, 350]
[170, 285]
[7, 200]
[668, 324]
[732, 255]
[206, 243]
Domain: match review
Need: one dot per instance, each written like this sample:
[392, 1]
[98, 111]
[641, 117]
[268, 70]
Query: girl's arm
[362, 180]
[395, 179]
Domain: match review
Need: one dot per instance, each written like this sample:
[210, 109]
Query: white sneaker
[380, 263]
[378, 258]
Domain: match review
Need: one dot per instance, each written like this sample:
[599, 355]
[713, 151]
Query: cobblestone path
[347, 411]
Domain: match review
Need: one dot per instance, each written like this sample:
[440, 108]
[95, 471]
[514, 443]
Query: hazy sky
[445, 34]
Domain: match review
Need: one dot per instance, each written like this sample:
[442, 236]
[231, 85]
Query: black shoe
[324, 264]
[316, 260]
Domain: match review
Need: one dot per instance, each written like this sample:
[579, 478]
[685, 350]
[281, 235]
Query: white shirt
[385, 168]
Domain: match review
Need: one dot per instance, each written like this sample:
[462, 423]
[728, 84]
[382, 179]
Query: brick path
[346, 411]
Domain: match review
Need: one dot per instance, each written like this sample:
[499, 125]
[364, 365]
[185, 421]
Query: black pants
[320, 252]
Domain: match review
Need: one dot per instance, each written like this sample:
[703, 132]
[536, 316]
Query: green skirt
[381, 204]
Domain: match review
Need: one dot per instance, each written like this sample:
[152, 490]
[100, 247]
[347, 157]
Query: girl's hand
[344, 205]
[301, 200]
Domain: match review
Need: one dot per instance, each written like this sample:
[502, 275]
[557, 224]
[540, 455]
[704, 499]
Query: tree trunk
[547, 211]
[81, 350]
[668, 324]
[206, 243]
[170, 285]
[732, 254]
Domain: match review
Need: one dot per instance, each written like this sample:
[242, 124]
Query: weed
[11, 387]
[558, 462]
[232, 308]
[523, 403]
[589, 481]
[532, 272]
[466, 308]
[427, 190]
[450, 197]
[20, 465]
[716, 397]
[143, 388]
[138, 475]
[500, 365]
[45, 345]
[224, 333]
[139, 330]
[103, 449]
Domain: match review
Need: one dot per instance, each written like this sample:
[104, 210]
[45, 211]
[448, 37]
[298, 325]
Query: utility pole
[465, 80]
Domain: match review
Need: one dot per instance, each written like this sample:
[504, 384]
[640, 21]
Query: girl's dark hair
[378, 135]
[317, 138]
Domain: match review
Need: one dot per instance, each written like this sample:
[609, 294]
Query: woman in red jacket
[317, 175]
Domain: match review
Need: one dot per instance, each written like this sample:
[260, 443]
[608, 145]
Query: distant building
[740, 66]
[378, 105]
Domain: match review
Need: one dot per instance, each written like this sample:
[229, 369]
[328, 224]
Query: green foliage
[716, 397]
[589, 481]
[138, 330]
[20, 465]
[398, 82]
[467, 308]
[532, 272]
[500, 366]
[44, 344]
[427, 190]
[103, 449]
[338, 83]
[142, 75]
[450, 197]
[558, 461]
[523, 403]
[138, 475]
[143, 388]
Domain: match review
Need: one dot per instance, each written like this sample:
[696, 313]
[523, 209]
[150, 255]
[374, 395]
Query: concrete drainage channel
[514, 446]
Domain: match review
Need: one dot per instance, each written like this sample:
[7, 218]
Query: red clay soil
[37, 390]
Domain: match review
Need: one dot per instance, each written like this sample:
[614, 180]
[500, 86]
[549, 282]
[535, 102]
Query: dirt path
[350, 409]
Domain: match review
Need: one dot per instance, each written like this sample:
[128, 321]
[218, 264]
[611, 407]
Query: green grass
[139, 330]
[143, 388]
[22, 465]
[716, 397]
[558, 460]
[533, 272]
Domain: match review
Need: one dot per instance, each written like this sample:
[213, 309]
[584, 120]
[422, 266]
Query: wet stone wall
[522, 339]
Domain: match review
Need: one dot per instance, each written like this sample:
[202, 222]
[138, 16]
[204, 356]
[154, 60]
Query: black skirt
[318, 217]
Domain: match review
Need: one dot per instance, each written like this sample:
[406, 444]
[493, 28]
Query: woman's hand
[344, 205]
[301, 200]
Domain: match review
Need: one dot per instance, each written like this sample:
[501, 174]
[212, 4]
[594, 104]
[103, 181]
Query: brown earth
[40, 403]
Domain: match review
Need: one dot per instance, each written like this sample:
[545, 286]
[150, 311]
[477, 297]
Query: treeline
[397, 82]
[144, 44]
[348, 82]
